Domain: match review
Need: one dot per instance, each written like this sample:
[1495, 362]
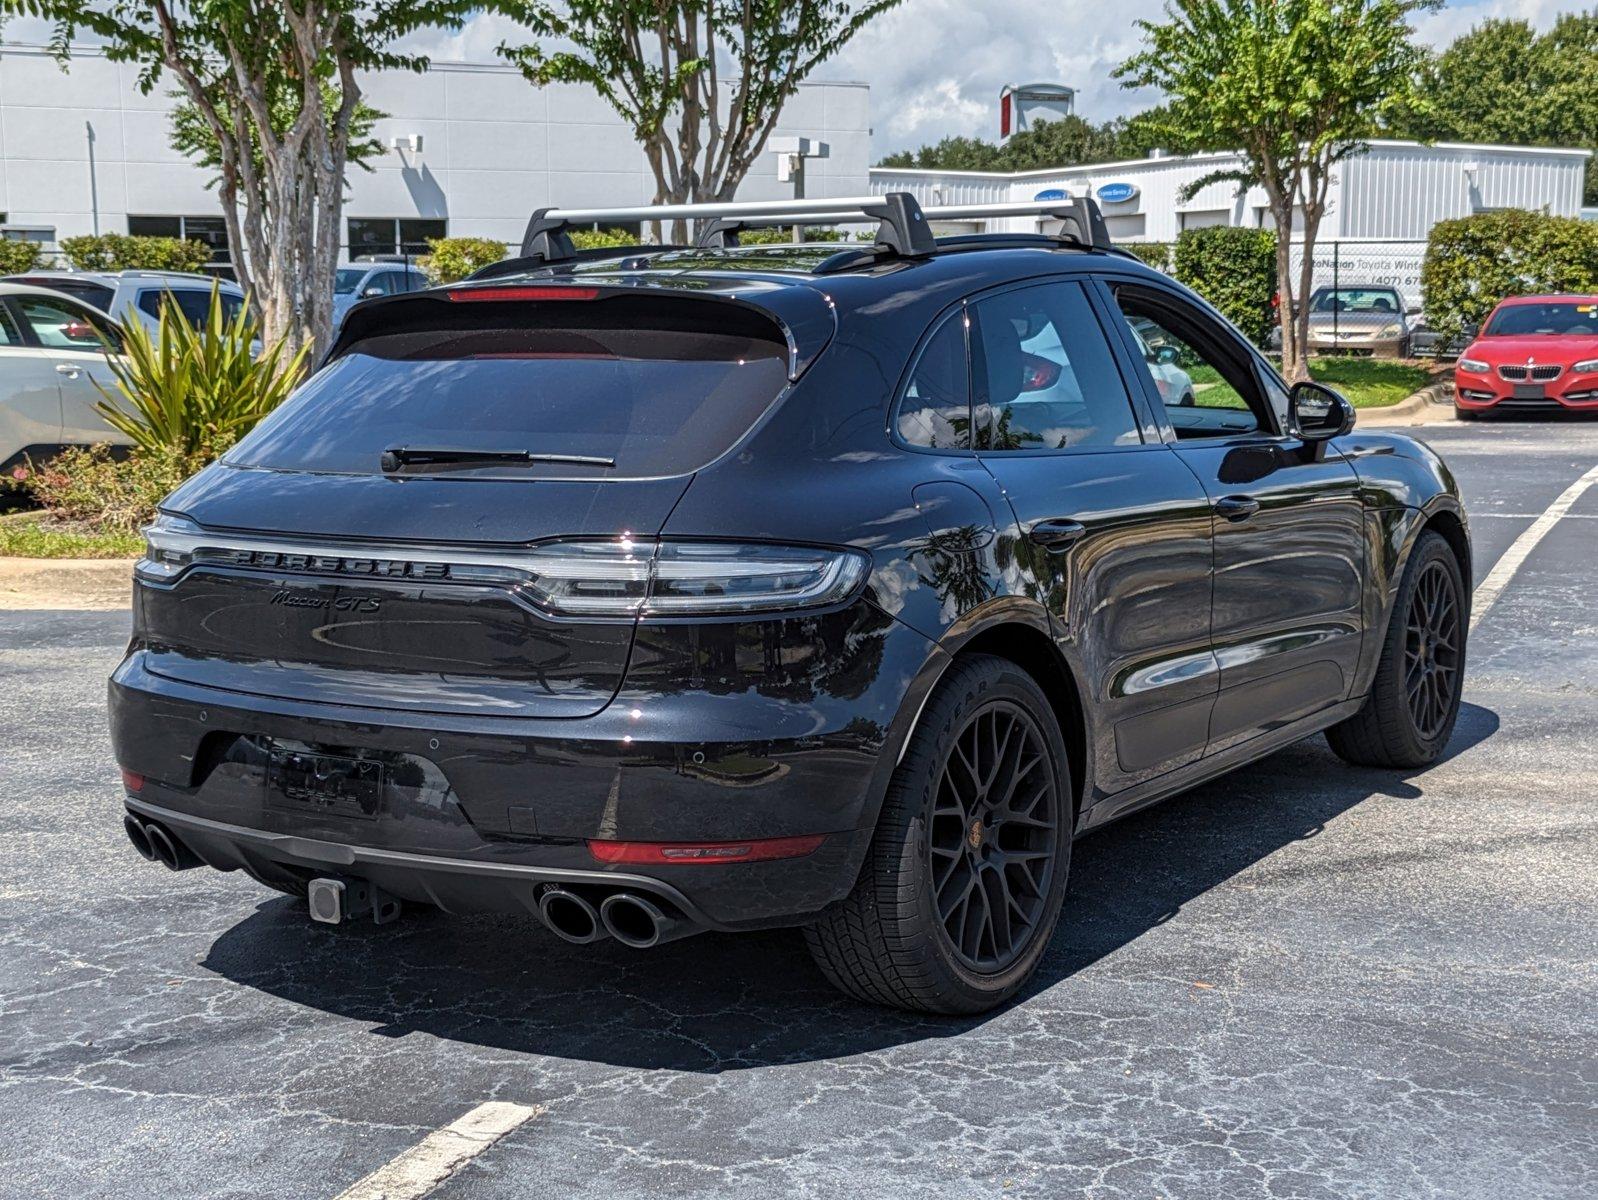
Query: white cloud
[936, 66]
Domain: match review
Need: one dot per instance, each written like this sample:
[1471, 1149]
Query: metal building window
[392, 235]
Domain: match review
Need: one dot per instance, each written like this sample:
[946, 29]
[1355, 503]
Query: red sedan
[1533, 352]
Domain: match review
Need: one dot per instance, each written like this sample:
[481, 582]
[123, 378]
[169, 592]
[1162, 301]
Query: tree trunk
[1293, 367]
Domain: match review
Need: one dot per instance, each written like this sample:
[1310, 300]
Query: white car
[52, 355]
[1175, 384]
[129, 296]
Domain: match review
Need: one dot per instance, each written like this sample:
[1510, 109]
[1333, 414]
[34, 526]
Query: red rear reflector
[524, 293]
[673, 854]
[131, 781]
[1038, 373]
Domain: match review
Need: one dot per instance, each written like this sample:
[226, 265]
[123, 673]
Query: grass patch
[1370, 382]
[41, 538]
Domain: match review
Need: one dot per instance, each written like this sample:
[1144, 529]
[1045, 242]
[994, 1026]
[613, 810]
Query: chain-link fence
[1364, 297]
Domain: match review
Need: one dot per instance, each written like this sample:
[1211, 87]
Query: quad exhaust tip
[640, 923]
[570, 917]
[158, 844]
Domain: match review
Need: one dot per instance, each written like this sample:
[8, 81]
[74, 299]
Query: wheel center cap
[975, 835]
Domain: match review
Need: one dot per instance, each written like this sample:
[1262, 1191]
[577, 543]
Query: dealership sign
[1053, 194]
[1117, 193]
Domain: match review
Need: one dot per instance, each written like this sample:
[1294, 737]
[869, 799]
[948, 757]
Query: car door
[1288, 521]
[74, 340]
[1115, 530]
[30, 400]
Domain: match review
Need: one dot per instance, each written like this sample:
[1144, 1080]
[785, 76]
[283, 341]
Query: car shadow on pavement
[721, 1002]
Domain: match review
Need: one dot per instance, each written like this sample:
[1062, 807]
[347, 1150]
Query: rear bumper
[482, 811]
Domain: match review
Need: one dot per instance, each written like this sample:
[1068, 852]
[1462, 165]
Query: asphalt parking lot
[1304, 980]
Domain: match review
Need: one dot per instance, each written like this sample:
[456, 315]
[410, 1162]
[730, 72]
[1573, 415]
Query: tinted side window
[231, 306]
[1043, 377]
[935, 411]
[1206, 392]
[62, 325]
[194, 304]
[10, 335]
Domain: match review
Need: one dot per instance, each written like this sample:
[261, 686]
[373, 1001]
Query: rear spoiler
[802, 315]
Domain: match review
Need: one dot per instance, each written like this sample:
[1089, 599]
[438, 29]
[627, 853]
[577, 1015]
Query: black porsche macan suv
[783, 586]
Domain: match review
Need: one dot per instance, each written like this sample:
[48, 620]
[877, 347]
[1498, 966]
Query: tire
[1461, 414]
[888, 941]
[1186, 401]
[1409, 716]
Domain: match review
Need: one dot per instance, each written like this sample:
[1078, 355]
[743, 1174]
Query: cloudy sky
[935, 66]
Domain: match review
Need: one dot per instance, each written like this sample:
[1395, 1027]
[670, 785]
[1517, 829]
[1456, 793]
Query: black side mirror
[1319, 414]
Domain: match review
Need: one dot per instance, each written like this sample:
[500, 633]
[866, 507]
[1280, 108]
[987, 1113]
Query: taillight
[523, 293]
[131, 781]
[673, 854]
[629, 578]
[169, 544]
[1038, 374]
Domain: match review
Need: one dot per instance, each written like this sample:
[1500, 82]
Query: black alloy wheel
[1414, 699]
[992, 837]
[1432, 650]
[966, 873]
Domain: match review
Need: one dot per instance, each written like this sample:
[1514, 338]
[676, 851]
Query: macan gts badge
[657, 590]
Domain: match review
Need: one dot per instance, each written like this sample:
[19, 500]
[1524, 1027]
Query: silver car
[52, 356]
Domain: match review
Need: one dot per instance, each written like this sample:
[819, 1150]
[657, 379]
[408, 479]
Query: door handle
[67, 369]
[1056, 533]
[1236, 508]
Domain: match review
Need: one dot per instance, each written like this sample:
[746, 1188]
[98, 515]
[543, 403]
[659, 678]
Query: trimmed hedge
[1235, 270]
[1155, 254]
[595, 239]
[453, 259]
[17, 256]
[1472, 263]
[118, 252]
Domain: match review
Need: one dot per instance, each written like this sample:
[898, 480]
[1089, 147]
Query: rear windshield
[652, 401]
[1519, 320]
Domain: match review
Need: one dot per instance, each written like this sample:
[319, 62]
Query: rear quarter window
[592, 383]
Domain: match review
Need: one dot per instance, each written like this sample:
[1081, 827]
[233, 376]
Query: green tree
[1065, 141]
[953, 153]
[191, 135]
[1295, 86]
[1502, 82]
[281, 171]
[701, 83]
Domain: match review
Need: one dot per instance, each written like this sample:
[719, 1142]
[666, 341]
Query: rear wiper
[396, 457]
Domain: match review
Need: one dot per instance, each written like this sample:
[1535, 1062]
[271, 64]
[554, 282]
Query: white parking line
[441, 1153]
[1504, 569]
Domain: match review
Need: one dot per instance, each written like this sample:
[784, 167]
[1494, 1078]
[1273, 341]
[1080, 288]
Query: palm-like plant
[194, 391]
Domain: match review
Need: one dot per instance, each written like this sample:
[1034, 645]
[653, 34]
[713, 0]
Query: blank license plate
[1530, 391]
[328, 783]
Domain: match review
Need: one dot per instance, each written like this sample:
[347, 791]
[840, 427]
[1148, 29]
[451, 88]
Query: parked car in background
[368, 278]
[1367, 319]
[1533, 353]
[52, 356]
[128, 296]
[1175, 384]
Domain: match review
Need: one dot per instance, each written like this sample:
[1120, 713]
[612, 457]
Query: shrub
[187, 391]
[91, 488]
[596, 239]
[782, 235]
[1472, 263]
[1155, 254]
[118, 252]
[453, 259]
[1235, 270]
[17, 256]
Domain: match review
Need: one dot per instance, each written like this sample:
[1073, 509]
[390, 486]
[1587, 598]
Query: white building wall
[494, 148]
[1394, 191]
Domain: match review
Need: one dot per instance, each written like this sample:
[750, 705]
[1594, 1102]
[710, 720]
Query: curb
[1432, 402]
[66, 584]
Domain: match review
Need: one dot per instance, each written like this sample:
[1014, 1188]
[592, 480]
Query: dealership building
[470, 149]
